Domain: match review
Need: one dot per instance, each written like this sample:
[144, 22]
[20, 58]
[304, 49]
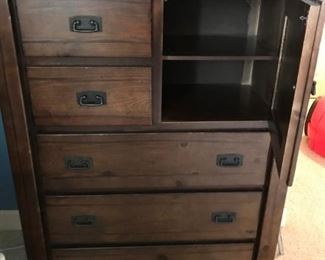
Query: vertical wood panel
[12, 106]
[279, 182]
[271, 223]
[158, 9]
[306, 74]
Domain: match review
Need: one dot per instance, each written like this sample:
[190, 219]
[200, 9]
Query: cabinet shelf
[199, 102]
[214, 46]
[218, 58]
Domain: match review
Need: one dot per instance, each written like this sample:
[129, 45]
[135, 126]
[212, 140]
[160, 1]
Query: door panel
[298, 57]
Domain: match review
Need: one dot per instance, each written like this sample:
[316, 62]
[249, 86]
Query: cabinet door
[302, 31]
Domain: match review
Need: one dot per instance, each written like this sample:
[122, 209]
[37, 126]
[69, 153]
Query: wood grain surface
[126, 28]
[152, 217]
[54, 95]
[165, 161]
[185, 252]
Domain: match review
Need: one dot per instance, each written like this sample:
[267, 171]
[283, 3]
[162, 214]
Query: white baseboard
[9, 220]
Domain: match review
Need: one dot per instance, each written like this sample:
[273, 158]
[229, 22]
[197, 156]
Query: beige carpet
[304, 231]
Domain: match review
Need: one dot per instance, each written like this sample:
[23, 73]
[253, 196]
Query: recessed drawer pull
[230, 160]
[78, 163]
[224, 217]
[91, 98]
[84, 220]
[86, 24]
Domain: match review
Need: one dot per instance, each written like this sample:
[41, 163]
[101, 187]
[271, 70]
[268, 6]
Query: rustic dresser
[155, 129]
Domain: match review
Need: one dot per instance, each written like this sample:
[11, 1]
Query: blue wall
[7, 191]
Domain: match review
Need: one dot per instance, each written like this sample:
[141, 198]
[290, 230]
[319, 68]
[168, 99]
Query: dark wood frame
[280, 179]
[12, 106]
[19, 141]
[305, 80]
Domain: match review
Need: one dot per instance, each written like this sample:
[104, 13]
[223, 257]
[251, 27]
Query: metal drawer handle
[78, 163]
[223, 217]
[83, 101]
[86, 24]
[83, 220]
[230, 160]
[76, 27]
[91, 98]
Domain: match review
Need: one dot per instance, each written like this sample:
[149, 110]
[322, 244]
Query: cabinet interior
[208, 27]
[231, 60]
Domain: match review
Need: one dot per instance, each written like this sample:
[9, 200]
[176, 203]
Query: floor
[11, 245]
[303, 233]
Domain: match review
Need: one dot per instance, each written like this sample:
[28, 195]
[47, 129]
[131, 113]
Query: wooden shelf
[214, 47]
[218, 58]
[184, 103]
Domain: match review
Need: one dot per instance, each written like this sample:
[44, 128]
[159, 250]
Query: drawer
[85, 96]
[100, 219]
[182, 252]
[93, 28]
[151, 161]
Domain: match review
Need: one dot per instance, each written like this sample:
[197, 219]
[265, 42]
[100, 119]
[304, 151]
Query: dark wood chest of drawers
[152, 129]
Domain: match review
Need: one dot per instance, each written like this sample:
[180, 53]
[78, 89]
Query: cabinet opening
[223, 27]
[232, 60]
[215, 91]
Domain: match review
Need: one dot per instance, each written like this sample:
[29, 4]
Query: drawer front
[152, 218]
[93, 28]
[190, 252]
[131, 162]
[86, 96]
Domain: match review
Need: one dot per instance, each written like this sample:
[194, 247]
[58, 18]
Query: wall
[7, 191]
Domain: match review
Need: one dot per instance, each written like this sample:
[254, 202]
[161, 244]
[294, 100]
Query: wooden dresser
[155, 129]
